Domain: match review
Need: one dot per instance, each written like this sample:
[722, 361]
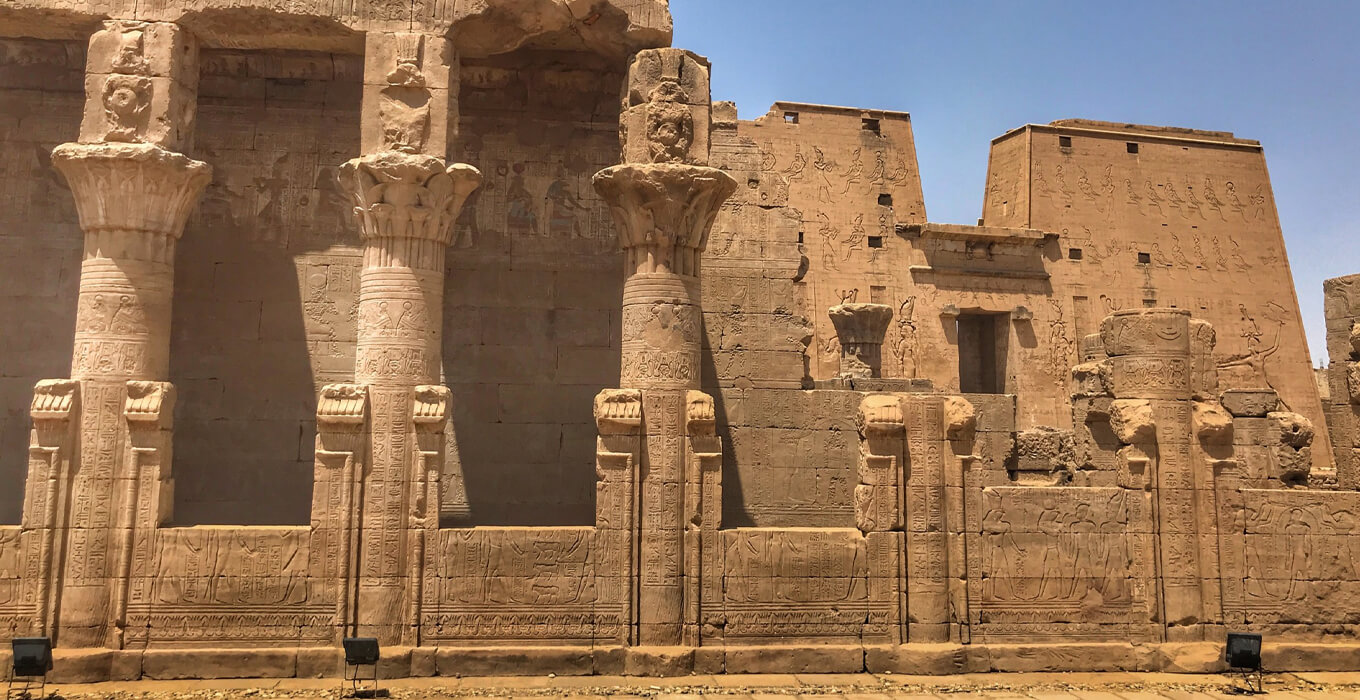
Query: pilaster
[341, 429]
[664, 200]
[878, 513]
[618, 453]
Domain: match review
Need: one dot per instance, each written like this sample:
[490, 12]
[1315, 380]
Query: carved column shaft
[664, 200]
[405, 201]
[133, 193]
[1152, 381]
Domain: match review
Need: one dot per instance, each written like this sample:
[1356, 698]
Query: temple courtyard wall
[484, 331]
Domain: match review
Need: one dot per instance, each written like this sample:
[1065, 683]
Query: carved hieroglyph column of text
[664, 199]
[1151, 378]
[406, 201]
[133, 193]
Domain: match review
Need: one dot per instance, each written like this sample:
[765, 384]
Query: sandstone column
[133, 194]
[664, 200]
[406, 200]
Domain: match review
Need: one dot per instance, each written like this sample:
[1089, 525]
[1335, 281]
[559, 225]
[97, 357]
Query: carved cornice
[664, 212]
[700, 414]
[150, 403]
[404, 195]
[618, 411]
[430, 405]
[342, 404]
[880, 415]
[131, 187]
[54, 399]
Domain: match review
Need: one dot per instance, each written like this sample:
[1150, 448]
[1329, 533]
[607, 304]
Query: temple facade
[480, 328]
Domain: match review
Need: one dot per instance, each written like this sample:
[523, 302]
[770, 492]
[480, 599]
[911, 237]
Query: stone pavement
[1035, 686]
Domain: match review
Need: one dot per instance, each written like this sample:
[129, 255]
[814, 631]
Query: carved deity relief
[905, 342]
[126, 102]
[126, 96]
[670, 125]
[1052, 554]
[404, 110]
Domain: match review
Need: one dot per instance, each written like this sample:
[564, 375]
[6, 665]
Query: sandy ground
[1035, 686]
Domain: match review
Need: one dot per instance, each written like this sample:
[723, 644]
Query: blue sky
[1286, 73]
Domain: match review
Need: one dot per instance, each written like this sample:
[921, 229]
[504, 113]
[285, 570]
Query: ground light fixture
[1243, 655]
[32, 661]
[361, 652]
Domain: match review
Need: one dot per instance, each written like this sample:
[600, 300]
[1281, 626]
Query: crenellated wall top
[477, 27]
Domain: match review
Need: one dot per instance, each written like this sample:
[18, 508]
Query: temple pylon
[664, 199]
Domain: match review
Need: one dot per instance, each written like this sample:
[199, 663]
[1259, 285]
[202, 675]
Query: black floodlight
[361, 651]
[1243, 655]
[32, 661]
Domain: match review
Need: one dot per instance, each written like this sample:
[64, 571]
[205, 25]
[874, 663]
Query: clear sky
[1284, 72]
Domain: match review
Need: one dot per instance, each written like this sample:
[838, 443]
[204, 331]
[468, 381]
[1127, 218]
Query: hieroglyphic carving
[792, 584]
[514, 584]
[924, 502]
[1298, 555]
[703, 518]
[1049, 555]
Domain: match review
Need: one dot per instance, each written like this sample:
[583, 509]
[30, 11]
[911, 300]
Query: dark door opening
[982, 354]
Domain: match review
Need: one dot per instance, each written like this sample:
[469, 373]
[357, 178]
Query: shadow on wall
[42, 95]
[266, 277]
[533, 291]
[734, 505]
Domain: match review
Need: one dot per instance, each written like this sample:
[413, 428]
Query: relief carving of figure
[904, 345]
[824, 167]
[1256, 359]
[854, 171]
[129, 317]
[561, 208]
[856, 239]
[520, 216]
[131, 56]
[126, 101]
[797, 166]
[670, 124]
[404, 107]
[830, 235]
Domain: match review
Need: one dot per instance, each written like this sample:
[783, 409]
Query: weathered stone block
[1250, 403]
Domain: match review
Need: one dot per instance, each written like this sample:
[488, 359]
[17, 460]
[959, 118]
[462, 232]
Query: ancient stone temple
[479, 328]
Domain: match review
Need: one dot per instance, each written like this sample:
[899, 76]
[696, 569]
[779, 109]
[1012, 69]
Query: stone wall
[1343, 374]
[41, 90]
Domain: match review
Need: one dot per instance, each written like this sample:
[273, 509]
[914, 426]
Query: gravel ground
[867, 687]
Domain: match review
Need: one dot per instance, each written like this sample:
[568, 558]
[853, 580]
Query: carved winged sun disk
[402, 195]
